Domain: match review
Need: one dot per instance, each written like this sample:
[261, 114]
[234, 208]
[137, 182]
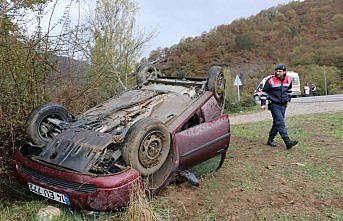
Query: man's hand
[263, 107]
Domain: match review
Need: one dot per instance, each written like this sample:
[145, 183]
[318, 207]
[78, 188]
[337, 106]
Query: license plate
[59, 197]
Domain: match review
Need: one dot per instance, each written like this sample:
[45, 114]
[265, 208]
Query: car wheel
[147, 146]
[216, 83]
[257, 99]
[40, 129]
[144, 73]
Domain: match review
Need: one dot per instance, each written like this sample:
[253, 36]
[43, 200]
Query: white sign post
[238, 83]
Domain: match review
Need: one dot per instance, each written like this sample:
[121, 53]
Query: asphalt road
[298, 106]
[329, 98]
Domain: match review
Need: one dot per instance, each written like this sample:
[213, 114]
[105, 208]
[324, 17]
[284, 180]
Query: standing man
[314, 89]
[277, 90]
[307, 90]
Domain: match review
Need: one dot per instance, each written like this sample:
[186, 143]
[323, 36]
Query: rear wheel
[216, 83]
[40, 128]
[147, 146]
[144, 72]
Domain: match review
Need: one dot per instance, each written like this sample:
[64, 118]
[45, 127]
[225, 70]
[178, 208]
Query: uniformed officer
[277, 90]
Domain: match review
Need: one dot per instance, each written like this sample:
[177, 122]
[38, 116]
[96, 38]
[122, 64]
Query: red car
[154, 131]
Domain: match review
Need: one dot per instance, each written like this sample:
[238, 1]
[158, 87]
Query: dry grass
[140, 208]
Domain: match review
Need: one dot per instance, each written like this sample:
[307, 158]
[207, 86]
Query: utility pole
[325, 83]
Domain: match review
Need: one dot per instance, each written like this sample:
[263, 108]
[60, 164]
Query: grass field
[256, 182]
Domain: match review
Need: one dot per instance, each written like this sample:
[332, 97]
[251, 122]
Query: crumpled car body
[83, 164]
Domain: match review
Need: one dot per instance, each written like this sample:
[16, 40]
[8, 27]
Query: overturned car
[152, 132]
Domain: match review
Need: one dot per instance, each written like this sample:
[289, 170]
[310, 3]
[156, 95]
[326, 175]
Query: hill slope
[299, 34]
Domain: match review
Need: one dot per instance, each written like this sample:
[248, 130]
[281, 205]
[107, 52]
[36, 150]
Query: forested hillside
[305, 35]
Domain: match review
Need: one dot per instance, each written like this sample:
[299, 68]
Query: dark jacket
[277, 90]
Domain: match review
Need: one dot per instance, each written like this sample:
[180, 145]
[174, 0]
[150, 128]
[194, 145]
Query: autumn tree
[117, 45]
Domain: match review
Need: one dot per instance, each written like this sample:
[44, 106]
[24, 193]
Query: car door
[205, 140]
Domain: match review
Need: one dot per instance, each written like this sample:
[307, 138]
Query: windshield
[295, 80]
[260, 86]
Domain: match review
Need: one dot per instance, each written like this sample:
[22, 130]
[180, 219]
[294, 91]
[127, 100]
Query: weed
[139, 207]
[209, 215]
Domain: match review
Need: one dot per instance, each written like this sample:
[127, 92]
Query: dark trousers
[278, 114]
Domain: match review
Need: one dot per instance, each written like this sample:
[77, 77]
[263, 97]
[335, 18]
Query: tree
[244, 41]
[117, 44]
[24, 68]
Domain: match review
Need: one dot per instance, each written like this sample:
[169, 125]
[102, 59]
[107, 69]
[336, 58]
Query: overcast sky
[174, 19]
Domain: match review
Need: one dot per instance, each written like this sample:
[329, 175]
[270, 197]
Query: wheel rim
[47, 130]
[150, 73]
[220, 85]
[151, 148]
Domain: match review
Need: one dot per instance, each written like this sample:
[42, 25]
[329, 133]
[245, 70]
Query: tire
[216, 83]
[143, 73]
[257, 99]
[38, 123]
[147, 145]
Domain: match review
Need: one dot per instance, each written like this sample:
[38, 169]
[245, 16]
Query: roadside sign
[238, 81]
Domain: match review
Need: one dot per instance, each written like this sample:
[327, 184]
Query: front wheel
[41, 125]
[257, 99]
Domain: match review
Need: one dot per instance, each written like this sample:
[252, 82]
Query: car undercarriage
[157, 130]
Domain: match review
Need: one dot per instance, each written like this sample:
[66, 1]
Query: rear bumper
[100, 193]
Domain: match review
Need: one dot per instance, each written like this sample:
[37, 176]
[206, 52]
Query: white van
[296, 91]
[295, 85]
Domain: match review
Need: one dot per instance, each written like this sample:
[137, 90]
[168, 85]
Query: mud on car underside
[94, 141]
[148, 129]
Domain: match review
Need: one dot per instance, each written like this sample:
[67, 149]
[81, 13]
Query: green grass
[20, 211]
[244, 109]
[271, 174]
[209, 215]
[162, 212]
[251, 171]
[207, 167]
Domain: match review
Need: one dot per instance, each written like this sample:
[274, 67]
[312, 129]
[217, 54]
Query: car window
[191, 122]
[260, 86]
[295, 80]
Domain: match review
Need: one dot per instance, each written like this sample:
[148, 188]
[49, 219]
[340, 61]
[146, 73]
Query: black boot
[271, 139]
[289, 143]
[271, 143]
